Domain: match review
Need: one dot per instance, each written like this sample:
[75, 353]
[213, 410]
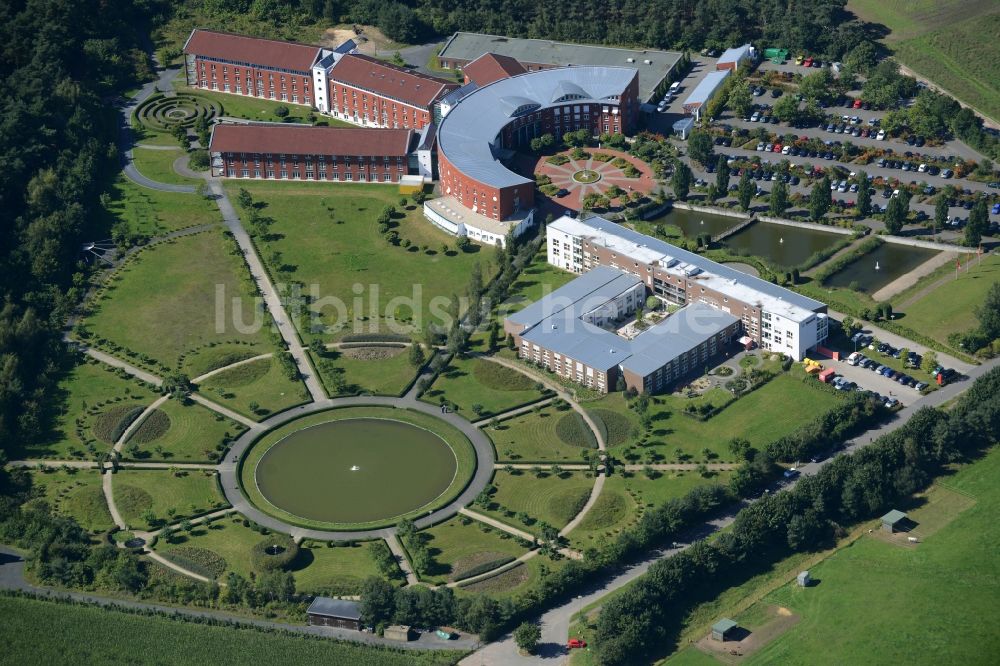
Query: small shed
[340, 613]
[683, 127]
[803, 579]
[398, 632]
[892, 520]
[735, 57]
[721, 628]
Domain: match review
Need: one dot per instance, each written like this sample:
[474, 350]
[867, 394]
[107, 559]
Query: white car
[880, 136]
[760, 146]
[922, 168]
[786, 150]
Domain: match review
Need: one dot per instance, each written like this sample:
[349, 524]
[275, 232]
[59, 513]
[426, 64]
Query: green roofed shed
[892, 519]
[721, 628]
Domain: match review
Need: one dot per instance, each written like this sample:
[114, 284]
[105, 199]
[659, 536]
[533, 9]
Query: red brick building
[241, 65]
[506, 114]
[302, 152]
[369, 92]
[491, 67]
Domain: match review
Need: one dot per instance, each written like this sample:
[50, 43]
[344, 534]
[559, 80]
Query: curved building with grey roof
[482, 128]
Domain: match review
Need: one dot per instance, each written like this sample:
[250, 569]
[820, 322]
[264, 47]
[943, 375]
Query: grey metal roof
[467, 132]
[328, 607]
[471, 45]
[724, 625]
[704, 90]
[736, 53]
[603, 226]
[893, 517]
[677, 334]
[453, 98]
[569, 294]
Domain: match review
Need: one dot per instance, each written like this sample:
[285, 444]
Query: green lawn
[551, 499]
[456, 440]
[770, 412]
[468, 382]
[263, 382]
[326, 237]
[320, 569]
[375, 370]
[180, 432]
[153, 213]
[460, 544]
[952, 42]
[878, 601]
[187, 493]
[158, 165]
[550, 435]
[91, 635]
[255, 108]
[212, 356]
[77, 399]
[226, 537]
[949, 308]
[536, 280]
[164, 302]
[515, 581]
[76, 493]
[626, 496]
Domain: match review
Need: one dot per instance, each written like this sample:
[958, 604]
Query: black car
[561, 193]
[776, 93]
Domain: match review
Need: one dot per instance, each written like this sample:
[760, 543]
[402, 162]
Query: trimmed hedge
[262, 561]
[201, 561]
[574, 431]
[155, 426]
[483, 568]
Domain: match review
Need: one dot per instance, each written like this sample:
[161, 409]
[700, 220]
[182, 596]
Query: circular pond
[355, 470]
[586, 176]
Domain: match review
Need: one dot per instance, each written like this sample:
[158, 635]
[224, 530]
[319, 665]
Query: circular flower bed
[586, 176]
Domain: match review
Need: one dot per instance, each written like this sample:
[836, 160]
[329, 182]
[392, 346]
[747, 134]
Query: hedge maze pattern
[183, 110]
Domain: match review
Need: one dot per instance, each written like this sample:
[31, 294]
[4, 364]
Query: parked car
[575, 643]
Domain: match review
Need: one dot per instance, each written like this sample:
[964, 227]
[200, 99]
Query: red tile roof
[491, 67]
[387, 80]
[269, 53]
[309, 140]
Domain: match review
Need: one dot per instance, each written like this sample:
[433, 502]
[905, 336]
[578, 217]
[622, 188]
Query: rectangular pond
[692, 223]
[785, 246]
[880, 267]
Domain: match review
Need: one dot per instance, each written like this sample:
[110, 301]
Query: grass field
[320, 569]
[255, 108]
[164, 302]
[464, 453]
[549, 435]
[954, 43]
[153, 213]
[626, 496]
[226, 537]
[536, 280]
[770, 412]
[180, 433]
[950, 308]
[263, 382]
[327, 238]
[90, 635]
[495, 388]
[551, 499]
[81, 389]
[158, 165]
[187, 493]
[876, 598]
[460, 544]
[76, 493]
[378, 376]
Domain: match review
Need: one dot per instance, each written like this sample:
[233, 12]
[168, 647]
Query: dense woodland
[61, 65]
[821, 26]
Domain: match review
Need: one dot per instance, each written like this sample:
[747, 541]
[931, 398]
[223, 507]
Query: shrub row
[483, 568]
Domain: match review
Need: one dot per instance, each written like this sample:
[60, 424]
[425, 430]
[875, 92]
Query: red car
[777, 147]
[576, 643]
[857, 103]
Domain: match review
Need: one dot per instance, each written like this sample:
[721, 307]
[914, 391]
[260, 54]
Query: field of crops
[90, 635]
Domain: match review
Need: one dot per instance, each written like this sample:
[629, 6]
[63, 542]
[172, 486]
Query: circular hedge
[264, 561]
[112, 424]
[162, 113]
